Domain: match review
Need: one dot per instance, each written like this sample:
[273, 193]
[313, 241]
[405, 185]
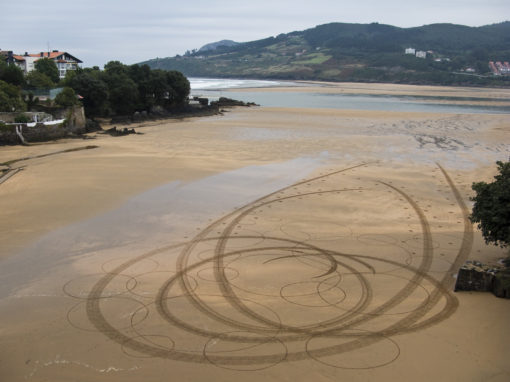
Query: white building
[63, 60]
[421, 54]
[411, 51]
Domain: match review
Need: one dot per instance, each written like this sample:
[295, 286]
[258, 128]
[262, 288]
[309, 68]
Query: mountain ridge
[217, 44]
[455, 54]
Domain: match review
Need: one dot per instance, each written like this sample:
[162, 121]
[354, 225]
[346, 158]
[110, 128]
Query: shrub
[22, 118]
[492, 207]
[66, 97]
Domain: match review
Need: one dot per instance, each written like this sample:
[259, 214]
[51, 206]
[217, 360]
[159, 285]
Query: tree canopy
[10, 98]
[117, 90]
[11, 74]
[47, 67]
[66, 97]
[93, 90]
[492, 207]
[38, 80]
[123, 89]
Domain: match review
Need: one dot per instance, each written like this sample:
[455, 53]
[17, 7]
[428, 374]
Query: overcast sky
[97, 31]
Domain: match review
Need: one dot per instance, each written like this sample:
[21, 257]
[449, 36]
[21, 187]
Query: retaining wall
[74, 124]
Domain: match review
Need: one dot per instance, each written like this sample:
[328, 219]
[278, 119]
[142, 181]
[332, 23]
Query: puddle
[163, 215]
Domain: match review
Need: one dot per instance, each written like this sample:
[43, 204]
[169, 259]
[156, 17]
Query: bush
[492, 207]
[38, 80]
[66, 97]
[22, 118]
[10, 98]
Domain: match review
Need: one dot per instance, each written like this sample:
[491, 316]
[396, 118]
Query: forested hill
[455, 54]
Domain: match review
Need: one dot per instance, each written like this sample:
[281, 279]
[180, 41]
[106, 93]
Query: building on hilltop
[63, 60]
[421, 54]
[417, 53]
[12, 59]
[493, 68]
[499, 68]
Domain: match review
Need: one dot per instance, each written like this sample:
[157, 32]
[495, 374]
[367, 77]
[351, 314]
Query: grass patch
[312, 59]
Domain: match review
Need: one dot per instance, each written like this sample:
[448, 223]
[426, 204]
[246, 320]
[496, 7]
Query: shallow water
[229, 83]
[354, 102]
[213, 88]
[171, 212]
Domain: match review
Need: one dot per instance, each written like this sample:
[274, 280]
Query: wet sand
[267, 243]
[493, 95]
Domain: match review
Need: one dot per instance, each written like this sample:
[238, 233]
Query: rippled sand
[271, 244]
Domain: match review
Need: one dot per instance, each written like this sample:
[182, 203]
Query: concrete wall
[75, 124]
[474, 276]
[472, 279]
[35, 116]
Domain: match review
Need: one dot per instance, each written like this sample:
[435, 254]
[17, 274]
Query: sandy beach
[263, 244]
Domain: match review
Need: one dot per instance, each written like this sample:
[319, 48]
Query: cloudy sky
[97, 31]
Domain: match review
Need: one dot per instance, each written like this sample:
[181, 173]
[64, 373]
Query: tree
[179, 85]
[66, 97]
[93, 90]
[30, 100]
[492, 207]
[142, 76]
[48, 67]
[123, 94]
[10, 98]
[11, 74]
[124, 89]
[115, 67]
[38, 80]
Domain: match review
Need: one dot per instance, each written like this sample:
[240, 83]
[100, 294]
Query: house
[410, 51]
[499, 68]
[421, 54]
[493, 68]
[12, 59]
[63, 60]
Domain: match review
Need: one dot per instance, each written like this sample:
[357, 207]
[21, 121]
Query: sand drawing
[258, 287]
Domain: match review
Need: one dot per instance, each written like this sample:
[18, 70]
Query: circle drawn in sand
[353, 349]
[276, 269]
[217, 349]
[81, 287]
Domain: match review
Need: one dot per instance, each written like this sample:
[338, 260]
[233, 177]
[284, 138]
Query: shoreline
[433, 94]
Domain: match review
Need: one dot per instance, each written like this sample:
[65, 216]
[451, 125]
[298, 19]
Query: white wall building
[63, 60]
[411, 51]
[421, 54]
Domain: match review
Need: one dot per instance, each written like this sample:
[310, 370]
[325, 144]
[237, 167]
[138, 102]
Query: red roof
[53, 55]
[18, 58]
[47, 54]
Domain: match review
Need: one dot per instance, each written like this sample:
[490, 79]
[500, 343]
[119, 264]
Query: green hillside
[456, 54]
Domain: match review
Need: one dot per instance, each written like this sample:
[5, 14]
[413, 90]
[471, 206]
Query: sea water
[213, 88]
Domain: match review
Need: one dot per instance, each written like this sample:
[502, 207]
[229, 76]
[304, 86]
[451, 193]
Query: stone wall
[475, 276]
[37, 133]
[74, 116]
[35, 116]
[474, 280]
[75, 123]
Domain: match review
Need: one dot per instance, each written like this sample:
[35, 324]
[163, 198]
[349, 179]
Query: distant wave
[227, 83]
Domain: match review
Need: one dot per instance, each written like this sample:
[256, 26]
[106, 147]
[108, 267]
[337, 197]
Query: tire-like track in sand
[336, 335]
